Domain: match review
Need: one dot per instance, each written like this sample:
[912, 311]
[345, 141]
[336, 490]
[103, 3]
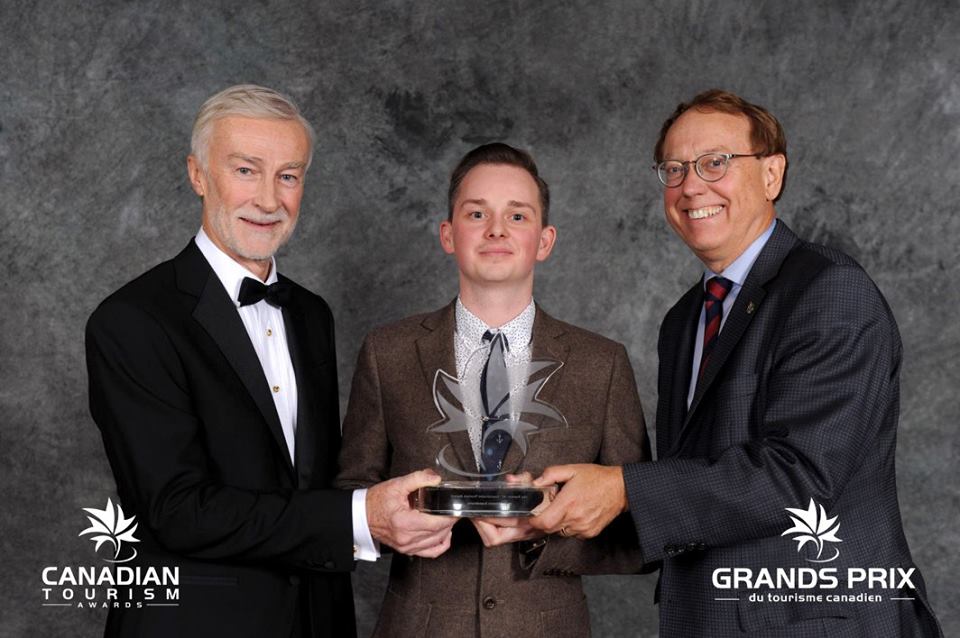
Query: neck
[718, 264]
[259, 267]
[495, 307]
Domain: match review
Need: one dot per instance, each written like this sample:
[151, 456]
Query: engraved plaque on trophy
[487, 435]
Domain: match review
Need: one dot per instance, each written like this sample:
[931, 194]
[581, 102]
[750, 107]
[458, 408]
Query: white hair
[244, 100]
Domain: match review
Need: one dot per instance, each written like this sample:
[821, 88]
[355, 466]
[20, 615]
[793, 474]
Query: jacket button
[489, 602]
[329, 564]
[294, 579]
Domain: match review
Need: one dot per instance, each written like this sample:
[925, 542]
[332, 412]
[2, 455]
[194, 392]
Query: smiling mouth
[259, 224]
[703, 213]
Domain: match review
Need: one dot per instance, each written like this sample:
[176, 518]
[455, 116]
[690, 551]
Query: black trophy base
[475, 499]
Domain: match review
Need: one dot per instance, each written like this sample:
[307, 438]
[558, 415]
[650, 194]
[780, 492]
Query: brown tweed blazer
[507, 590]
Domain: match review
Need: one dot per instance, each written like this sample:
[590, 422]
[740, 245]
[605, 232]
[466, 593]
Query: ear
[198, 180]
[773, 168]
[548, 236]
[446, 237]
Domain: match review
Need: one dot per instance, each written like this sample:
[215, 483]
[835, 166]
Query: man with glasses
[777, 414]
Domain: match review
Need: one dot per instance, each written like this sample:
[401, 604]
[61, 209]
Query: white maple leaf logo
[109, 525]
[811, 526]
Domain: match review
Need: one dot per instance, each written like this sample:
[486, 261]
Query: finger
[418, 479]
[515, 522]
[522, 477]
[427, 523]
[414, 542]
[549, 520]
[562, 511]
[435, 550]
[556, 474]
[487, 532]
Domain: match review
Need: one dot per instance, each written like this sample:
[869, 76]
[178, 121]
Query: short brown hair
[498, 153]
[766, 134]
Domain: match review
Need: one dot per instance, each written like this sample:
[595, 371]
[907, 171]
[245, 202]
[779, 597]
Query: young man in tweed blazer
[499, 577]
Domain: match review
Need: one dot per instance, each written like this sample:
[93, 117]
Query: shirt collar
[518, 331]
[737, 271]
[230, 273]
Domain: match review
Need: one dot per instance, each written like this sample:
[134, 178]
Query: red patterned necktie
[717, 290]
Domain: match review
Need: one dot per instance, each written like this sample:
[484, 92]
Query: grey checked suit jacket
[799, 401]
[470, 590]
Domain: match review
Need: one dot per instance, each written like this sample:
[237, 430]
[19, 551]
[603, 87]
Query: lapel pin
[751, 307]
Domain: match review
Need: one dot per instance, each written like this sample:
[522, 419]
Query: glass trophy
[483, 444]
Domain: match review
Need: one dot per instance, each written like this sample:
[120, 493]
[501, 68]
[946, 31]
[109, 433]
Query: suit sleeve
[615, 550]
[140, 398]
[828, 395]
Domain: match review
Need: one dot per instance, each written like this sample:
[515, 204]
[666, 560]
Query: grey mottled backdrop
[96, 103]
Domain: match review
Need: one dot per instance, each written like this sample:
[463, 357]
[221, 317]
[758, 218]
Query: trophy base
[476, 499]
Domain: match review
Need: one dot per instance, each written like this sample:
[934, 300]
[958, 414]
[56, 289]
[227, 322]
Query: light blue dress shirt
[737, 273]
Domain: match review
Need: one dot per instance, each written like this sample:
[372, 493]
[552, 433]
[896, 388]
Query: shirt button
[269, 332]
[489, 602]
[276, 388]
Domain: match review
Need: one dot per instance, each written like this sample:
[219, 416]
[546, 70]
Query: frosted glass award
[487, 435]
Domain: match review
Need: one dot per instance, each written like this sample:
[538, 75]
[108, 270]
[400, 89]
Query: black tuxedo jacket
[196, 447]
[799, 401]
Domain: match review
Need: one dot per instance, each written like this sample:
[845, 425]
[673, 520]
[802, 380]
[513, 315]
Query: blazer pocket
[763, 616]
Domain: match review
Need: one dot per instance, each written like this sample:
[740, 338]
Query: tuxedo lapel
[305, 366]
[435, 352]
[218, 315]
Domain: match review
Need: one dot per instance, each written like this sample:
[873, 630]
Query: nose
[496, 227]
[692, 183]
[266, 196]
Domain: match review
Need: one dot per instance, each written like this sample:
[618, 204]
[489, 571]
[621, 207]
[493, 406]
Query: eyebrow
[515, 204]
[713, 149]
[252, 159]
[512, 203]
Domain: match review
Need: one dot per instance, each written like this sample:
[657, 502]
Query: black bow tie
[277, 294]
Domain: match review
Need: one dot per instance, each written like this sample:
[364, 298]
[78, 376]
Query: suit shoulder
[824, 266]
[578, 337]
[411, 327]
[834, 286]
[825, 256]
[147, 293]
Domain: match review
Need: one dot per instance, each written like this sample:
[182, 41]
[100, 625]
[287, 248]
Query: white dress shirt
[471, 353]
[264, 325]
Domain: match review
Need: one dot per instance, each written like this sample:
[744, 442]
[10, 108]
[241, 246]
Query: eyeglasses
[711, 167]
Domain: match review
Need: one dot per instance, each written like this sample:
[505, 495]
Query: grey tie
[495, 393]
